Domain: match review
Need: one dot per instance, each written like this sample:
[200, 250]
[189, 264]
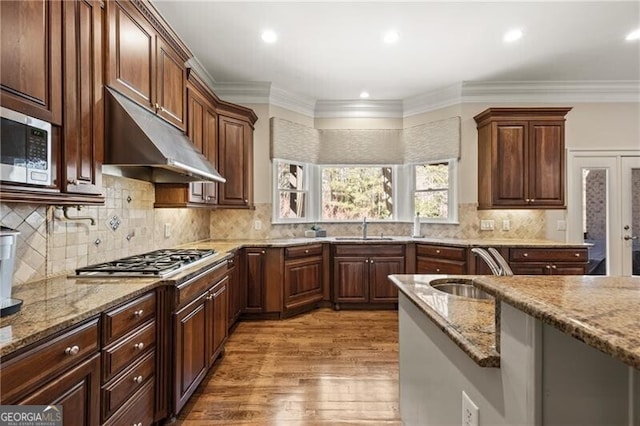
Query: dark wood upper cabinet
[83, 129]
[521, 158]
[145, 61]
[31, 58]
[235, 148]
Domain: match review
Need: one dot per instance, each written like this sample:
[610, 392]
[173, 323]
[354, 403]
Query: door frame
[612, 161]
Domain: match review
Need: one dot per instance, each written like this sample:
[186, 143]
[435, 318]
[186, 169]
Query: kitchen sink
[461, 287]
[364, 238]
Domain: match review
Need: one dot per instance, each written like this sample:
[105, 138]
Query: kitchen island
[545, 350]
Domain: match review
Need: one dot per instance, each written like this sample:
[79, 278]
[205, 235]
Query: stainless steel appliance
[158, 263]
[8, 243]
[25, 154]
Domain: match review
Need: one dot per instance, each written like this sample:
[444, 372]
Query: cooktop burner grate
[158, 263]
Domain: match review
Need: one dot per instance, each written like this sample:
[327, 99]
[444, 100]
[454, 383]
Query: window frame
[307, 174]
[452, 196]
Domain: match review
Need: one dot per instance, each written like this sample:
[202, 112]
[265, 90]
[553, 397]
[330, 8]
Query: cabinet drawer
[115, 393]
[125, 318]
[548, 255]
[428, 266]
[441, 252]
[310, 250]
[369, 250]
[194, 287]
[31, 369]
[124, 351]
[138, 410]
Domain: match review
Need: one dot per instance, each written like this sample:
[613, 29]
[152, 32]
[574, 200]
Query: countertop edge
[481, 358]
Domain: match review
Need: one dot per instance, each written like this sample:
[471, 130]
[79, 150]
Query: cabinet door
[190, 350]
[546, 163]
[131, 54]
[217, 317]
[509, 163]
[351, 281]
[195, 131]
[84, 111]
[302, 282]
[210, 150]
[234, 292]
[77, 390]
[31, 58]
[381, 289]
[255, 259]
[233, 161]
[170, 80]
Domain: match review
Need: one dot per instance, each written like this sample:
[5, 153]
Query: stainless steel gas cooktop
[158, 263]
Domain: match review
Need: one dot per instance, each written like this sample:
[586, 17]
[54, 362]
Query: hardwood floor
[321, 368]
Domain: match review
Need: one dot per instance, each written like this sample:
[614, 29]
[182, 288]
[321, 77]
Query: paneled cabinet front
[200, 330]
[142, 65]
[235, 161]
[360, 273]
[63, 369]
[303, 276]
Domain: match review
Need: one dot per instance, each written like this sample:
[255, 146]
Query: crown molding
[292, 101]
[358, 109]
[202, 72]
[430, 101]
[551, 91]
[245, 92]
[503, 92]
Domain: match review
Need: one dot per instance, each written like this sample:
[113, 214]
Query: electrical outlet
[506, 224]
[167, 230]
[561, 225]
[257, 225]
[487, 225]
[470, 411]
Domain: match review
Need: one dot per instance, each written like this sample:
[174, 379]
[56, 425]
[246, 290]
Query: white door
[604, 209]
[630, 235]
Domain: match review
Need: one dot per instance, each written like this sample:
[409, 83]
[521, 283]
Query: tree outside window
[431, 198]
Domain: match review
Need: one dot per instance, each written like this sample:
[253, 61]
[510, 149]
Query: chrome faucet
[364, 228]
[499, 266]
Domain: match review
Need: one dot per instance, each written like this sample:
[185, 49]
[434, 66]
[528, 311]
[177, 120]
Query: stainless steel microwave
[25, 149]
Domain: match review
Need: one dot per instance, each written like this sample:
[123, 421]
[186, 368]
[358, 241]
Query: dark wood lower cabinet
[77, 391]
[302, 282]
[350, 279]
[380, 288]
[255, 259]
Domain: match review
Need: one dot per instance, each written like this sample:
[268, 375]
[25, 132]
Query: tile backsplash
[524, 224]
[51, 244]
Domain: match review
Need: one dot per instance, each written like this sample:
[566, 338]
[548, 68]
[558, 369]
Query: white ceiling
[334, 50]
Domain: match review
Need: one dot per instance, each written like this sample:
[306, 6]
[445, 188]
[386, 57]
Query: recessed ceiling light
[364, 95]
[269, 36]
[512, 35]
[633, 35]
[391, 37]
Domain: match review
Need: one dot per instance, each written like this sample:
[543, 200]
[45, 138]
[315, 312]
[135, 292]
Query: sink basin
[364, 239]
[461, 287]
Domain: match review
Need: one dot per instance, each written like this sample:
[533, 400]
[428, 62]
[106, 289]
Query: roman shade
[438, 140]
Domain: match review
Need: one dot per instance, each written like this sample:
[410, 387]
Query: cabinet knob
[137, 379]
[554, 267]
[366, 261]
[246, 201]
[577, 255]
[525, 254]
[137, 424]
[72, 350]
[371, 261]
[306, 251]
[437, 269]
[533, 200]
[437, 251]
[139, 346]
[138, 313]
[157, 106]
[208, 197]
[263, 252]
[547, 266]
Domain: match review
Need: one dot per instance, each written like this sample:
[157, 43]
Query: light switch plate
[470, 411]
[486, 225]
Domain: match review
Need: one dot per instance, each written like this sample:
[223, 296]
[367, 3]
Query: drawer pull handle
[137, 379]
[72, 350]
[526, 255]
[139, 346]
[138, 313]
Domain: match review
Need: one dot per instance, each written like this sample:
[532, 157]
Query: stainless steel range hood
[142, 146]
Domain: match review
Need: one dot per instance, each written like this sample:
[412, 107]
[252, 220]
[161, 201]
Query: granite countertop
[55, 303]
[470, 323]
[603, 312]
[599, 311]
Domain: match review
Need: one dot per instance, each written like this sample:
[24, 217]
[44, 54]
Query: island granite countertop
[599, 311]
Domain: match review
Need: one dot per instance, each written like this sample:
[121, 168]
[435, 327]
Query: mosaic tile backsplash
[525, 224]
[50, 244]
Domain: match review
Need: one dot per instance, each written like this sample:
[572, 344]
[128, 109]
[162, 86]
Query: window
[291, 181]
[351, 193]
[433, 196]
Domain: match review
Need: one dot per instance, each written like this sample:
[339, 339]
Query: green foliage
[354, 192]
